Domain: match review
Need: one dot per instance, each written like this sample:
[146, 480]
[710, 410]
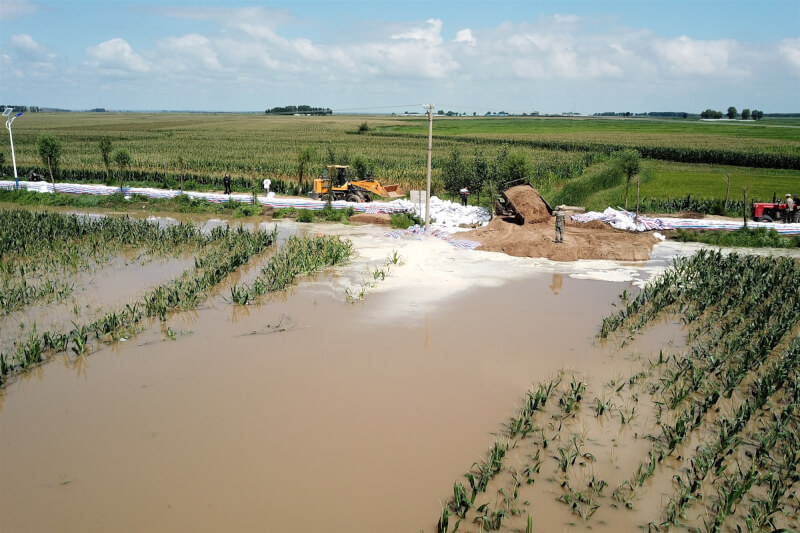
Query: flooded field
[318, 411]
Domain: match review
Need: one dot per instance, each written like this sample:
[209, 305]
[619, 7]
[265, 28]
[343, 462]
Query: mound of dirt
[529, 203]
[581, 241]
[376, 218]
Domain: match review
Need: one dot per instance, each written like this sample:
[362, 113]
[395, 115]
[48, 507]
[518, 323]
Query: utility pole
[430, 151]
[9, 121]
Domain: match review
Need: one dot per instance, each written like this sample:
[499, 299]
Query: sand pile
[581, 241]
[535, 238]
[528, 203]
[372, 218]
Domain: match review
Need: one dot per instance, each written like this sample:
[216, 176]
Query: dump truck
[340, 182]
[532, 206]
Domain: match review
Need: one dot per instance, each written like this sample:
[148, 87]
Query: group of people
[226, 182]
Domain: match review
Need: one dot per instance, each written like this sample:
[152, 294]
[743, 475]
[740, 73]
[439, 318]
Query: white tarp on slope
[448, 215]
[621, 219]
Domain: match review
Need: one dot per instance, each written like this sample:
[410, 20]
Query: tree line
[732, 113]
[23, 108]
[298, 109]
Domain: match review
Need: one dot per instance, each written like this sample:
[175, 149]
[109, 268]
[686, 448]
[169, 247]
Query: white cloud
[117, 55]
[11, 9]
[261, 51]
[790, 51]
[431, 35]
[26, 48]
[465, 36]
[188, 53]
[688, 56]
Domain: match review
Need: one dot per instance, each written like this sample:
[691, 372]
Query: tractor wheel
[354, 198]
[765, 218]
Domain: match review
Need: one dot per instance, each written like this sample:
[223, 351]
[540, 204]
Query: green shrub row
[159, 180]
[740, 158]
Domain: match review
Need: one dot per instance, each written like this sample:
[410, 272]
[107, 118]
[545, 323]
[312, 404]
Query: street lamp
[9, 121]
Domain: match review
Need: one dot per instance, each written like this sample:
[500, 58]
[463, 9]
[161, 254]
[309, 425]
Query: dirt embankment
[370, 218]
[536, 238]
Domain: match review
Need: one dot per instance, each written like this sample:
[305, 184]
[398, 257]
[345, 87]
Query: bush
[336, 215]
[284, 212]
[576, 191]
[305, 215]
[405, 220]
[247, 210]
[751, 238]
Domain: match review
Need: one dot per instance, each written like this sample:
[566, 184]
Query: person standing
[560, 224]
[464, 193]
[267, 183]
[790, 207]
[796, 218]
[226, 181]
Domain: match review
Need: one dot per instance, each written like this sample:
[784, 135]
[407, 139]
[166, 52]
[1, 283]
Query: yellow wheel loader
[340, 182]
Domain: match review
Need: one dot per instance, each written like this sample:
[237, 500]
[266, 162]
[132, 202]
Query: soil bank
[536, 236]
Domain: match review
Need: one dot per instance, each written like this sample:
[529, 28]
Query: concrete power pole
[430, 150]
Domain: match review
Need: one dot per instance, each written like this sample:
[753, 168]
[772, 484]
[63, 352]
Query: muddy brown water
[306, 413]
[343, 422]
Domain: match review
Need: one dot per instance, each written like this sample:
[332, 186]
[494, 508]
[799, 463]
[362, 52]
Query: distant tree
[181, 166]
[363, 127]
[515, 167]
[756, 114]
[745, 114]
[710, 113]
[105, 153]
[480, 173]
[305, 156]
[495, 169]
[122, 158]
[628, 162]
[454, 172]
[731, 114]
[2, 162]
[50, 152]
[360, 166]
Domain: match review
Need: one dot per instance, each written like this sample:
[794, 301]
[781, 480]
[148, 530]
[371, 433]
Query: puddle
[308, 412]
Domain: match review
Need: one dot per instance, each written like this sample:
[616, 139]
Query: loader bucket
[393, 191]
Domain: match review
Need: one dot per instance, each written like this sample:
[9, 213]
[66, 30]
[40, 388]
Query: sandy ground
[581, 241]
[383, 219]
[536, 236]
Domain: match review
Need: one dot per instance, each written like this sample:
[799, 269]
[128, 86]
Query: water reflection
[558, 280]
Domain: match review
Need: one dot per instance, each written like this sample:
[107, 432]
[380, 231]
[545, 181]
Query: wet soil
[581, 241]
[535, 237]
[383, 219]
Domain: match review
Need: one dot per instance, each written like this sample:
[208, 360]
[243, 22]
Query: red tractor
[774, 211]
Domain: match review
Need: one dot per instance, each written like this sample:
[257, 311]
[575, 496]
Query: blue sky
[515, 56]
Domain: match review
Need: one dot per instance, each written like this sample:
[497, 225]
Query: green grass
[181, 204]
[769, 129]
[405, 220]
[308, 215]
[668, 180]
[751, 238]
[672, 180]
